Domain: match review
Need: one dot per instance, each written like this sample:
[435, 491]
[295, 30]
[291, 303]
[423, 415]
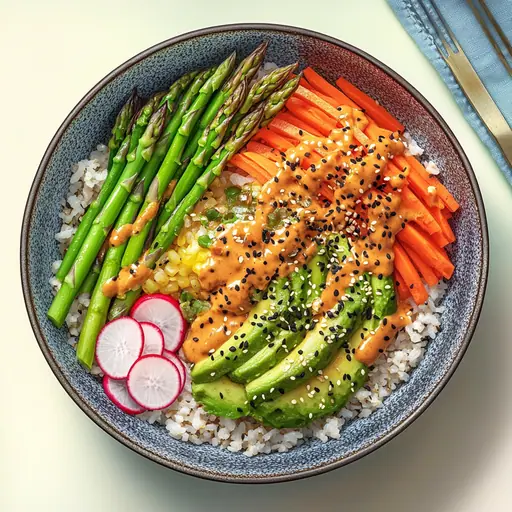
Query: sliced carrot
[393, 170]
[312, 99]
[419, 186]
[285, 129]
[426, 272]
[439, 239]
[263, 149]
[327, 192]
[323, 86]
[361, 137]
[251, 168]
[403, 290]
[419, 212]
[269, 165]
[373, 131]
[411, 277]
[381, 116]
[273, 139]
[433, 256]
[442, 191]
[311, 115]
[437, 213]
[306, 128]
[306, 84]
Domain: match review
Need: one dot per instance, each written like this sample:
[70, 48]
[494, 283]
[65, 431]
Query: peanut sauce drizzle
[249, 254]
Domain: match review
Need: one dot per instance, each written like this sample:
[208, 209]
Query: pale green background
[456, 457]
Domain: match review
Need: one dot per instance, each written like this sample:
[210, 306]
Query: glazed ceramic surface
[89, 124]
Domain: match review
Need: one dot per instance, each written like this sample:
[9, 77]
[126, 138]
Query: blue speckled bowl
[88, 124]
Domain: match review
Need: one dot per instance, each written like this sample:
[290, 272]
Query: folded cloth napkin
[477, 47]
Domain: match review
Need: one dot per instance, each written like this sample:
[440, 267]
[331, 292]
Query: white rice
[186, 420]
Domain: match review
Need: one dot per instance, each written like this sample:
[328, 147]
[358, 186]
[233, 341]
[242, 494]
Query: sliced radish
[165, 312]
[118, 346]
[153, 339]
[179, 364]
[154, 382]
[117, 391]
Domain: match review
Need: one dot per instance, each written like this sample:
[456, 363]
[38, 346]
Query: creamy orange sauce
[248, 255]
[128, 279]
[120, 235]
[209, 332]
[375, 343]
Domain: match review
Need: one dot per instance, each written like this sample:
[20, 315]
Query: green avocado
[306, 285]
[247, 340]
[222, 398]
[317, 349]
[319, 396]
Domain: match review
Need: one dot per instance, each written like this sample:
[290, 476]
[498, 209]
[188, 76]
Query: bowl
[89, 123]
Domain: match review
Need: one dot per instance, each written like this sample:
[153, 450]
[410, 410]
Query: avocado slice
[248, 339]
[306, 285]
[222, 398]
[317, 349]
[319, 396]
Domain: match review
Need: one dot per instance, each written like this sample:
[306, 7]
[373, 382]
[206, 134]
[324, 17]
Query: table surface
[456, 457]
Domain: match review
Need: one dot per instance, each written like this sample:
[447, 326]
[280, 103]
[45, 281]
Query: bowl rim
[119, 436]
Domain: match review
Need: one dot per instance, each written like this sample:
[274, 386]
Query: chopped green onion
[205, 241]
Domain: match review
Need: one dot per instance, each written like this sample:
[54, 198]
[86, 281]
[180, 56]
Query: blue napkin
[459, 16]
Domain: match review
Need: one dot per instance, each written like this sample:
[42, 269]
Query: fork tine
[437, 32]
[446, 26]
[490, 35]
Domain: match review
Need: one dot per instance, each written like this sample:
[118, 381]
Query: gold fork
[470, 83]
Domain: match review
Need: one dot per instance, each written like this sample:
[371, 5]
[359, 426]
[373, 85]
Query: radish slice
[118, 346]
[179, 364]
[165, 312]
[117, 391]
[153, 339]
[154, 382]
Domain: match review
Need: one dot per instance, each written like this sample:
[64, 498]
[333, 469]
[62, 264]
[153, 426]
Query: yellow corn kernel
[174, 257]
[197, 267]
[170, 270]
[196, 285]
[183, 282]
[171, 288]
[184, 271]
[160, 277]
[150, 286]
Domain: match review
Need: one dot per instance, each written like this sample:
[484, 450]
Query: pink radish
[118, 346]
[117, 391]
[179, 364]
[153, 339]
[165, 312]
[154, 382]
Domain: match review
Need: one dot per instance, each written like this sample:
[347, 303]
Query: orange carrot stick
[425, 271]
[437, 214]
[322, 85]
[285, 129]
[432, 255]
[269, 165]
[439, 239]
[262, 149]
[442, 191]
[312, 99]
[411, 277]
[381, 116]
[311, 115]
[327, 192]
[403, 290]
[304, 127]
[273, 139]
[250, 168]
[418, 212]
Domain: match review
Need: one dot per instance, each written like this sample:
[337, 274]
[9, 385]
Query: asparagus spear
[262, 89]
[118, 163]
[172, 160]
[122, 125]
[207, 144]
[259, 117]
[245, 70]
[98, 307]
[104, 221]
[91, 279]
